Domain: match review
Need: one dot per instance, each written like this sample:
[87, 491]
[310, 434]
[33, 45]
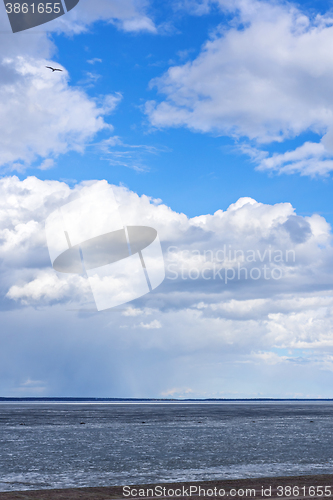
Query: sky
[212, 121]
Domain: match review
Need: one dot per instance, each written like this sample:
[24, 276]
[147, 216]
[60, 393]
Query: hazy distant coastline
[160, 400]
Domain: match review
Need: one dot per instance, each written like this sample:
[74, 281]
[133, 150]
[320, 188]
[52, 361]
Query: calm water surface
[74, 445]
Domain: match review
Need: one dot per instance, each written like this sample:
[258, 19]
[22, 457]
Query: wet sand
[290, 487]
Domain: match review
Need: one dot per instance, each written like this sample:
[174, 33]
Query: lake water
[57, 445]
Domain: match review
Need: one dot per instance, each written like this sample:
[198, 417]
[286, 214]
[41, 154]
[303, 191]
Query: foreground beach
[314, 486]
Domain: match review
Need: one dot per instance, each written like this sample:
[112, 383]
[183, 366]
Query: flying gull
[53, 69]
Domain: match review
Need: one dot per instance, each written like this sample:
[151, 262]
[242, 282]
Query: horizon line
[98, 399]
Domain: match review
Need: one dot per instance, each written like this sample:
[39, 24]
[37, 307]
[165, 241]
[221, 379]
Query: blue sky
[209, 167]
[213, 122]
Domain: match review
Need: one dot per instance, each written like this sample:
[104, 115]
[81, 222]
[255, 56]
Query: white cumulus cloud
[128, 15]
[265, 77]
[196, 317]
[42, 115]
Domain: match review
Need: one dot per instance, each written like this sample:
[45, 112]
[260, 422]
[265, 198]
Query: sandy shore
[274, 488]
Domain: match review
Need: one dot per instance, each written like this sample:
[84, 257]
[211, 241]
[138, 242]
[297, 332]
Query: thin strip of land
[273, 488]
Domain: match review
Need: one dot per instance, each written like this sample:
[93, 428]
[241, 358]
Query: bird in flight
[53, 69]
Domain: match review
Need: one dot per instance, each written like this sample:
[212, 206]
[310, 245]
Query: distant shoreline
[277, 486]
[156, 400]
